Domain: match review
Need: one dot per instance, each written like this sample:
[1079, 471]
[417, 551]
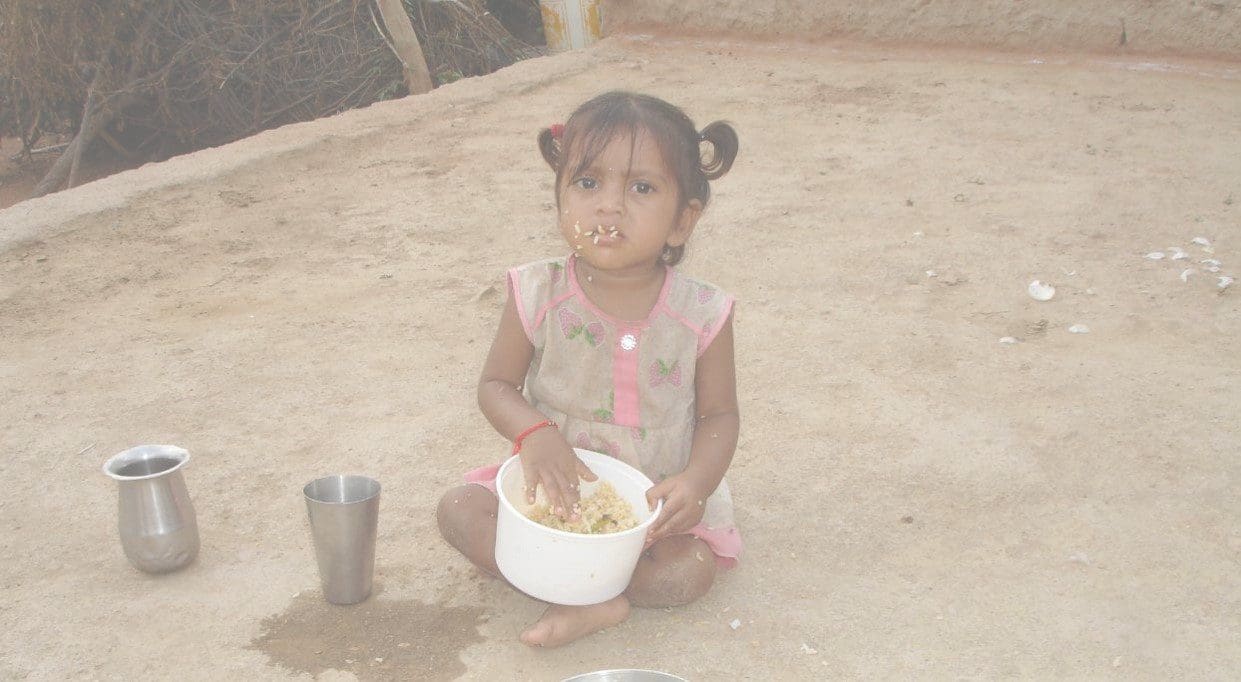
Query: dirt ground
[1209, 29]
[918, 499]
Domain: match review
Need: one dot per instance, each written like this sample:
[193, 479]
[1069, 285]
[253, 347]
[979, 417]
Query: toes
[537, 634]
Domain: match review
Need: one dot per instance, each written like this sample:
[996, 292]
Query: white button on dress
[628, 342]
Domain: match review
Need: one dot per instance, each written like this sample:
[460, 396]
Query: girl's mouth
[601, 234]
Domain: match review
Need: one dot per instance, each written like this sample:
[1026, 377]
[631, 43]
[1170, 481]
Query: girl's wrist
[520, 438]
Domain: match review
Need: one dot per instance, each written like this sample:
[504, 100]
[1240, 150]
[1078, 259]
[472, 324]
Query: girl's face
[619, 213]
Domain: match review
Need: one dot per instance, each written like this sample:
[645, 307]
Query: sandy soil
[919, 500]
[1202, 29]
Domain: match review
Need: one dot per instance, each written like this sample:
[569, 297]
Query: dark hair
[597, 122]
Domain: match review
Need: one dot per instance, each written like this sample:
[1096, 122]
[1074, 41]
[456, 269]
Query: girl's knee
[467, 521]
[463, 507]
[674, 571]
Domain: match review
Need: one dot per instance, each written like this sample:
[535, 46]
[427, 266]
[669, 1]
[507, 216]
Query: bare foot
[562, 624]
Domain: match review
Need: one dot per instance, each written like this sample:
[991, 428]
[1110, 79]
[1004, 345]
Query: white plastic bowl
[570, 568]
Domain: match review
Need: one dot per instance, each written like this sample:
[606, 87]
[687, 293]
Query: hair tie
[557, 131]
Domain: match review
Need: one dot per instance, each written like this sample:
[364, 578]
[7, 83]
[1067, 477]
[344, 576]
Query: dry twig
[187, 74]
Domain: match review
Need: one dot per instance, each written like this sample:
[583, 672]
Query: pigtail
[549, 146]
[724, 147]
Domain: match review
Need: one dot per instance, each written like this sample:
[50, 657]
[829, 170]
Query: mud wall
[1190, 28]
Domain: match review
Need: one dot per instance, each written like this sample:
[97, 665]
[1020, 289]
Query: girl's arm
[499, 388]
[546, 457]
[715, 440]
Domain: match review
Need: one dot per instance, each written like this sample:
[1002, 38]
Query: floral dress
[623, 388]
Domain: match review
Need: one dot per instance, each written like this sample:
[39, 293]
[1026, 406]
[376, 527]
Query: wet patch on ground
[377, 639]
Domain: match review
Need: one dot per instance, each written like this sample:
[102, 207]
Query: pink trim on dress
[515, 292]
[538, 319]
[724, 542]
[681, 318]
[484, 476]
[576, 288]
[526, 323]
[708, 335]
[625, 398]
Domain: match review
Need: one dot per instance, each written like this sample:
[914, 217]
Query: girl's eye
[643, 187]
[586, 183]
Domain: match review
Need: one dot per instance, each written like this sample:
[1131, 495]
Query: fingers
[584, 472]
[660, 529]
[531, 486]
[560, 491]
[678, 522]
[679, 514]
[552, 490]
[566, 489]
[667, 516]
[657, 492]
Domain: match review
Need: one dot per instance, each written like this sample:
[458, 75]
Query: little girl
[611, 349]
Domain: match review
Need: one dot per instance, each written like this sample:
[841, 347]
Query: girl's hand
[547, 460]
[684, 502]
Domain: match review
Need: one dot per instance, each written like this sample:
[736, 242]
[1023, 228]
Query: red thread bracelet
[522, 436]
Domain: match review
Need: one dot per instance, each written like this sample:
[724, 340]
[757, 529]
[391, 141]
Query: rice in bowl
[604, 511]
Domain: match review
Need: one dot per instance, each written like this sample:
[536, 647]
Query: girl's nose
[612, 200]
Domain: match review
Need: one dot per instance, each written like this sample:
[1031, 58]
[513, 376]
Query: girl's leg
[467, 520]
[674, 571]
[560, 625]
